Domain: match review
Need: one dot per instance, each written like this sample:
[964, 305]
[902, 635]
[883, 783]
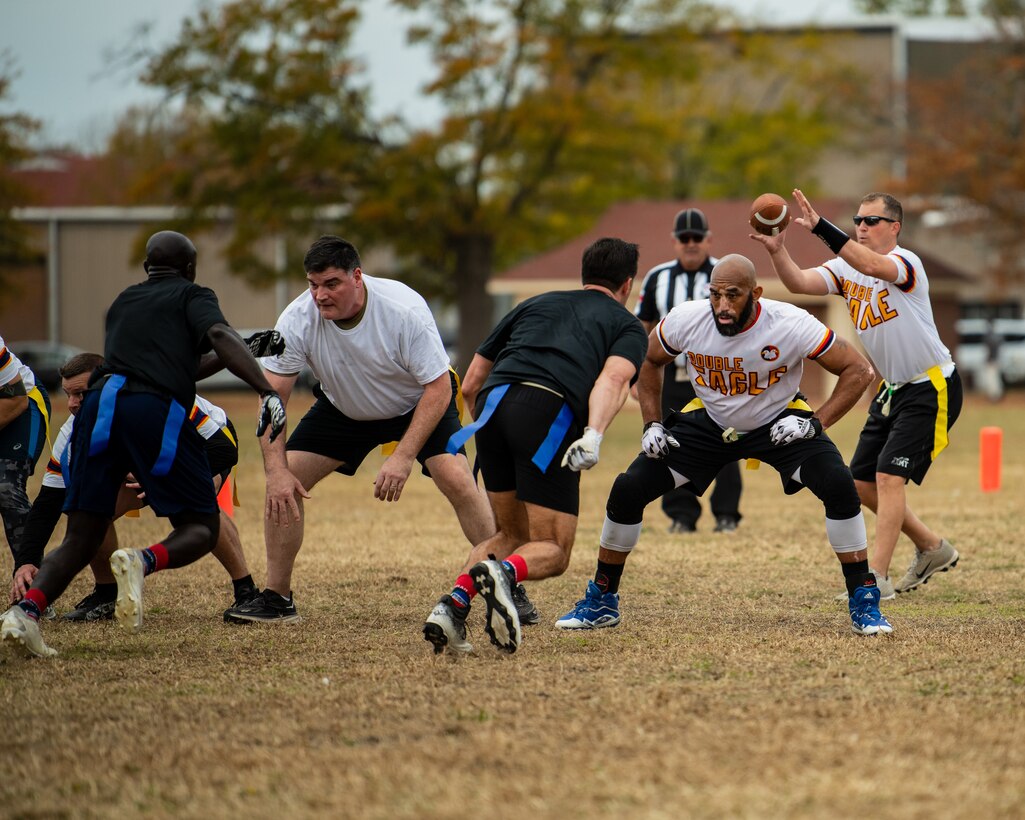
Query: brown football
[769, 214]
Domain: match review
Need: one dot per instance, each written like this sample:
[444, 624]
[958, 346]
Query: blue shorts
[136, 442]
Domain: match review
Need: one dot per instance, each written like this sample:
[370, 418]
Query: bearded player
[746, 357]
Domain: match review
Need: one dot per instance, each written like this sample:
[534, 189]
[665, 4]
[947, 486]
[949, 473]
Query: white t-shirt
[375, 370]
[208, 419]
[893, 319]
[745, 381]
[11, 366]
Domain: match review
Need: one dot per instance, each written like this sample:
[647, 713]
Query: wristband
[834, 238]
[816, 425]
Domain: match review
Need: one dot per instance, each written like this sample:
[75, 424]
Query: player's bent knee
[632, 491]
[831, 481]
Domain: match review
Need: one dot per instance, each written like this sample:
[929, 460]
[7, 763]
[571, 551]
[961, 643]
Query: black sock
[243, 584]
[857, 574]
[107, 592]
[607, 576]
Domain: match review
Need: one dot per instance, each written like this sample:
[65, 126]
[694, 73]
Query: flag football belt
[936, 377]
[100, 438]
[730, 435]
[545, 453]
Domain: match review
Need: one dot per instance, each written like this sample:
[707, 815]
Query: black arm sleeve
[39, 526]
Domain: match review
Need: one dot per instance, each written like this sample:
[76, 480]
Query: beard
[742, 320]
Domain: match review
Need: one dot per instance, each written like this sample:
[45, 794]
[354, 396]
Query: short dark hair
[331, 252]
[79, 364]
[891, 204]
[609, 263]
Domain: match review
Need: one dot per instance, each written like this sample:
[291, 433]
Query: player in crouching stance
[554, 364]
[746, 357]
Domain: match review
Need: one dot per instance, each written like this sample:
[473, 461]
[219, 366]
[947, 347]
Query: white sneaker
[926, 564]
[445, 629]
[22, 633]
[129, 572]
[502, 622]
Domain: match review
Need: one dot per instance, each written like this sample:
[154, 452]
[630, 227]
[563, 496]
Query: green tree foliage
[551, 110]
[15, 130]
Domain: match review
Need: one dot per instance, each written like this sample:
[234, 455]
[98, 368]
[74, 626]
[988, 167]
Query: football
[769, 214]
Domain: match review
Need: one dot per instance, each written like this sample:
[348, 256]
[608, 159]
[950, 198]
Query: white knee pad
[619, 537]
[847, 535]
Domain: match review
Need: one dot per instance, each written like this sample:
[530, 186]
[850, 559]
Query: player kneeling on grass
[745, 356]
[543, 388]
[133, 419]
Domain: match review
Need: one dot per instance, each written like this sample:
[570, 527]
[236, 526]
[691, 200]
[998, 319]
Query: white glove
[272, 414]
[656, 440]
[582, 454]
[794, 428]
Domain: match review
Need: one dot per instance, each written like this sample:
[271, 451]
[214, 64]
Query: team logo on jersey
[770, 353]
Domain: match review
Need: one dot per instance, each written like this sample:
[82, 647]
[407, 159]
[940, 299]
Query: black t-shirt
[156, 332]
[561, 341]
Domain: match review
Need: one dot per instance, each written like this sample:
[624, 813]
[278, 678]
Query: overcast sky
[61, 50]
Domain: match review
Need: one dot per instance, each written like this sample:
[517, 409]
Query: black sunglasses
[872, 221]
[687, 238]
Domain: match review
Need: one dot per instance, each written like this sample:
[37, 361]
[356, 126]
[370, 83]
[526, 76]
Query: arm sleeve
[39, 526]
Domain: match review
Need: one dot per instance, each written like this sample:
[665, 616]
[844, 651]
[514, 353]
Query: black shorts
[507, 443]
[137, 440]
[327, 431]
[703, 453]
[222, 452]
[907, 440]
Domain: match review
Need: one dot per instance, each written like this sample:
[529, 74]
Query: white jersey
[745, 381]
[375, 370]
[11, 367]
[208, 419]
[893, 319]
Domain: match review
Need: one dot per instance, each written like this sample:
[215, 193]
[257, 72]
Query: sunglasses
[872, 221]
[687, 238]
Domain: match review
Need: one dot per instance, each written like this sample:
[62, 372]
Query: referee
[685, 279]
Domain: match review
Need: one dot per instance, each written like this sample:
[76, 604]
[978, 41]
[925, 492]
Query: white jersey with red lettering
[893, 319]
[11, 367]
[745, 381]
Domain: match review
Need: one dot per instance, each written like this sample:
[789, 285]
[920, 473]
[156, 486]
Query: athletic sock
[34, 603]
[607, 576]
[857, 574]
[154, 559]
[517, 567]
[107, 592]
[242, 584]
[464, 591]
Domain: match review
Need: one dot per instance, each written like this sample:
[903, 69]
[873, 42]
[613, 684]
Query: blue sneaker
[866, 619]
[598, 609]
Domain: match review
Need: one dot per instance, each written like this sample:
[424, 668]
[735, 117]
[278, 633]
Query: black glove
[265, 343]
[272, 414]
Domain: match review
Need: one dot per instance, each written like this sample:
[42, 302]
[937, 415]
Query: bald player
[745, 356]
[133, 419]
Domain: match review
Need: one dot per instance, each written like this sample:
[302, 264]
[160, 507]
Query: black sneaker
[242, 597]
[265, 607]
[524, 606]
[96, 606]
[726, 523]
[683, 526]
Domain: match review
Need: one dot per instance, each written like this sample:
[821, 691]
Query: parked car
[975, 336]
[45, 359]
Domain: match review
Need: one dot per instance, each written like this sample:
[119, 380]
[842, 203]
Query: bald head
[171, 252]
[735, 269]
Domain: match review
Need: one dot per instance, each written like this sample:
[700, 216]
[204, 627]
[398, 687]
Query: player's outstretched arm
[476, 374]
[282, 486]
[606, 399]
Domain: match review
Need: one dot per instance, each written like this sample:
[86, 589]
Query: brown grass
[733, 688]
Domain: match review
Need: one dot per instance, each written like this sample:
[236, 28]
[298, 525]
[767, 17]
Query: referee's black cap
[690, 222]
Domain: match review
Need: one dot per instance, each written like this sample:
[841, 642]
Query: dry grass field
[733, 688]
